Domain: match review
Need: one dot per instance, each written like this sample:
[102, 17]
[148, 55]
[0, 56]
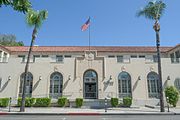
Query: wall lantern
[69, 77]
[40, 77]
[9, 77]
[168, 77]
[110, 77]
[139, 77]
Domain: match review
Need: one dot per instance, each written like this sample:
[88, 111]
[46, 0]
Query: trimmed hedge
[114, 102]
[42, 102]
[62, 101]
[29, 102]
[79, 102]
[173, 95]
[127, 101]
[4, 102]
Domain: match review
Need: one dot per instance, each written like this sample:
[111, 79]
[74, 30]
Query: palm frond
[35, 18]
[5, 2]
[153, 10]
[21, 5]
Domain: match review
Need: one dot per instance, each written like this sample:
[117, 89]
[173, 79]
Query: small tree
[114, 102]
[79, 102]
[173, 95]
[62, 101]
[127, 101]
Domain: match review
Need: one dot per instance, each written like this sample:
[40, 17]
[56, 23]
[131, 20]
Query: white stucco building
[76, 72]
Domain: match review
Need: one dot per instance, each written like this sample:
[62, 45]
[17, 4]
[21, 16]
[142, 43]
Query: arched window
[124, 85]
[56, 84]
[153, 85]
[90, 85]
[29, 83]
[177, 83]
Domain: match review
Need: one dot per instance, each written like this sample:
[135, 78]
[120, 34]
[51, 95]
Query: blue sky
[113, 23]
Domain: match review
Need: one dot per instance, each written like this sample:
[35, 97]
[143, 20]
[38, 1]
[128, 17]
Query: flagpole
[89, 35]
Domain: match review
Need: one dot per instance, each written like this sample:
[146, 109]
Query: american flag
[86, 25]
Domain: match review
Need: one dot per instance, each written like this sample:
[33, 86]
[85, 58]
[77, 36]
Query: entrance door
[90, 85]
[90, 90]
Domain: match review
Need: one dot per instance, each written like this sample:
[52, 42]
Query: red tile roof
[84, 48]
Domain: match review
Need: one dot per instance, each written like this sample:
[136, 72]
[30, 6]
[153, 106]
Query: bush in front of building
[114, 102]
[79, 102]
[29, 102]
[42, 102]
[62, 101]
[4, 102]
[127, 101]
[173, 95]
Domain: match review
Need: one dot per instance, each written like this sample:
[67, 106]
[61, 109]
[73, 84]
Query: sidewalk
[84, 111]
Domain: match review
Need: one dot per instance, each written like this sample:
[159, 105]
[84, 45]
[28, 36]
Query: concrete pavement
[99, 117]
[85, 111]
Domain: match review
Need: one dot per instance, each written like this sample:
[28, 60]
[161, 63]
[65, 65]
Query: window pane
[124, 84]
[56, 85]
[172, 57]
[0, 82]
[153, 85]
[133, 56]
[59, 58]
[177, 83]
[111, 56]
[120, 59]
[29, 84]
[177, 53]
[155, 58]
[141, 56]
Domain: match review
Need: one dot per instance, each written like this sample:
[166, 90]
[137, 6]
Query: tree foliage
[10, 40]
[18, 5]
[153, 10]
[35, 18]
[5, 2]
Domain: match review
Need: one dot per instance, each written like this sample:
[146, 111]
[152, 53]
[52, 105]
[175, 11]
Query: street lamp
[167, 100]
[105, 104]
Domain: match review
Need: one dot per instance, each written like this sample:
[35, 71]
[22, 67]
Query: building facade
[92, 74]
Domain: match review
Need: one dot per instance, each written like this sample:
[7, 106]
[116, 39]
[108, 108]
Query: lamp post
[105, 104]
[167, 100]
[10, 104]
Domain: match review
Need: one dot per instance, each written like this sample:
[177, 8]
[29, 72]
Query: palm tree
[154, 10]
[18, 5]
[34, 19]
[21, 5]
[5, 2]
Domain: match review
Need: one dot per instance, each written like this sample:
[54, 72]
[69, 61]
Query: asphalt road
[96, 117]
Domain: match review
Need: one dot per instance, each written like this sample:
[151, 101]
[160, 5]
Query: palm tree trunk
[22, 108]
[157, 29]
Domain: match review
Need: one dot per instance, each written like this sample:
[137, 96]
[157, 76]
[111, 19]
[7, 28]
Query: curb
[3, 113]
[86, 114]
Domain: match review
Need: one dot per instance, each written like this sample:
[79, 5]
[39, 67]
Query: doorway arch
[90, 84]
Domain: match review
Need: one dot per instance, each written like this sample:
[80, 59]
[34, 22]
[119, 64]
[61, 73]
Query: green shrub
[127, 101]
[114, 102]
[62, 101]
[172, 93]
[4, 102]
[79, 102]
[29, 102]
[42, 102]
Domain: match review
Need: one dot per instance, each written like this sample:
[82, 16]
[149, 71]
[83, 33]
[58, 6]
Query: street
[87, 117]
